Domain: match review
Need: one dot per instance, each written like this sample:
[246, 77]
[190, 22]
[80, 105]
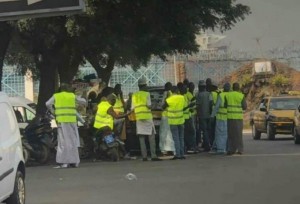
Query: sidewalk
[247, 131]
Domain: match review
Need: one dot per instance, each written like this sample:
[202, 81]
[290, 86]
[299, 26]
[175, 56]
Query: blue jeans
[178, 137]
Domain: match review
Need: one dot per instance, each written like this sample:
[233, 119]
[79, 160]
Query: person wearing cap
[141, 104]
[220, 112]
[236, 104]
[204, 106]
[64, 103]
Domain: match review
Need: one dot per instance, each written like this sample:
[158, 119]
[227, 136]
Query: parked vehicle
[38, 134]
[107, 146]
[12, 165]
[274, 115]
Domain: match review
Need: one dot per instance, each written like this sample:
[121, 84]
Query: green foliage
[247, 79]
[279, 80]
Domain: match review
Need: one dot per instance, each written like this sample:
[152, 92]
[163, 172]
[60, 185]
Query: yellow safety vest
[139, 101]
[118, 107]
[165, 112]
[175, 109]
[186, 112]
[65, 107]
[102, 118]
[214, 97]
[193, 109]
[222, 112]
[234, 105]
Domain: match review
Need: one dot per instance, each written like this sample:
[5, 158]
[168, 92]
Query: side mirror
[263, 109]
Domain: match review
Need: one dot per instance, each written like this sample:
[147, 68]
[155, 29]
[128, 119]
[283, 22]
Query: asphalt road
[268, 172]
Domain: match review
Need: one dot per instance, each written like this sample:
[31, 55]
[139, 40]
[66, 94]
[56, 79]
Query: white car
[12, 166]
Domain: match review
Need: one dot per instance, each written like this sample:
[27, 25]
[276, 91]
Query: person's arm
[50, 104]
[217, 106]
[244, 104]
[80, 101]
[111, 112]
[149, 102]
[211, 102]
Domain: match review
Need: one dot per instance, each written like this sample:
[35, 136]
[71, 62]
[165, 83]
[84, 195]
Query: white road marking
[266, 155]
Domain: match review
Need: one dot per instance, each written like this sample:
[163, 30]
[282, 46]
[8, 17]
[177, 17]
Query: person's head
[168, 86]
[118, 89]
[236, 87]
[208, 83]
[64, 87]
[191, 87]
[182, 88]
[226, 87]
[175, 90]
[213, 86]
[111, 98]
[106, 92]
[142, 83]
[201, 86]
[92, 96]
[186, 82]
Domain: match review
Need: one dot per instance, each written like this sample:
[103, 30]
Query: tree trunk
[47, 82]
[103, 73]
[5, 36]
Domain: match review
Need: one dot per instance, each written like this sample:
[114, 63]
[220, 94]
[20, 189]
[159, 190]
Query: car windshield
[284, 103]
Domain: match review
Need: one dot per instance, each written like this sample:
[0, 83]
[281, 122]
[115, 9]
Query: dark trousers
[190, 133]
[235, 135]
[204, 127]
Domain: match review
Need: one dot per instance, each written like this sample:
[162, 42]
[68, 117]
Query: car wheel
[255, 133]
[18, 196]
[270, 132]
[296, 136]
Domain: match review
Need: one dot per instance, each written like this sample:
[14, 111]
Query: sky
[275, 22]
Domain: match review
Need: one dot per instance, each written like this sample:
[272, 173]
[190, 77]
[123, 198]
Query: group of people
[210, 120]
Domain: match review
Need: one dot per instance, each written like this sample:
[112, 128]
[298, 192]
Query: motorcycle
[107, 146]
[37, 139]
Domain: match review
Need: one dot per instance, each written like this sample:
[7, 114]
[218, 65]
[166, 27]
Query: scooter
[37, 139]
[107, 146]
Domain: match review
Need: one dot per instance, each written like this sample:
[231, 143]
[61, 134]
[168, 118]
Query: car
[296, 130]
[274, 115]
[12, 165]
[132, 142]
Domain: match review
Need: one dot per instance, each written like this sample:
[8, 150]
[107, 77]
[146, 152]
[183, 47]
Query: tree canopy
[120, 32]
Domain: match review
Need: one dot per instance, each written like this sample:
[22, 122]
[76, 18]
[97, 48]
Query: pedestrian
[236, 104]
[105, 116]
[193, 112]
[220, 112]
[214, 94]
[64, 103]
[166, 143]
[175, 107]
[119, 108]
[208, 83]
[141, 104]
[204, 107]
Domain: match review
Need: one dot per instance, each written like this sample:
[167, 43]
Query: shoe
[229, 153]
[175, 158]
[183, 158]
[240, 153]
[62, 166]
[212, 152]
[73, 165]
[145, 159]
[156, 159]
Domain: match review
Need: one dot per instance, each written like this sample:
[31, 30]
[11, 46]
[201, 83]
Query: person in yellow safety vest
[236, 104]
[175, 106]
[220, 112]
[166, 143]
[119, 108]
[214, 95]
[105, 113]
[141, 104]
[64, 103]
[192, 148]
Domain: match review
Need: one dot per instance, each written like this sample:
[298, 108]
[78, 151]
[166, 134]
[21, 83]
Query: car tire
[270, 132]
[255, 133]
[18, 196]
[296, 136]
